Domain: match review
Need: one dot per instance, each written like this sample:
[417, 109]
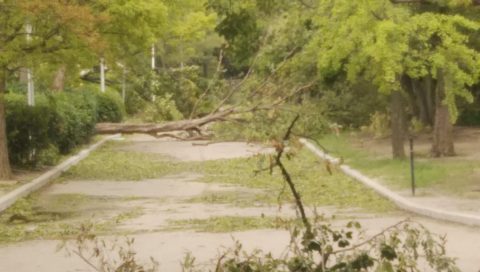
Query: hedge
[56, 124]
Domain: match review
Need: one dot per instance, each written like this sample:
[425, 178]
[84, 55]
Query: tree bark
[397, 116]
[443, 127]
[422, 95]
[5, 170]
[153, 129]
[58, 84]
[430, 94]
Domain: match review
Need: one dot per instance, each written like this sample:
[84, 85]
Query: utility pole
[102, 75]
[153, 57]
[153, 68]
[30, 85]
[124, 84]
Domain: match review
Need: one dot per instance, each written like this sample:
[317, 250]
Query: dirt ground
[464, 195]
[467, 144]
[165, 199]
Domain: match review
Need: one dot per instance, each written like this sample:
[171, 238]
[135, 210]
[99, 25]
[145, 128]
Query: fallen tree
[259, 97]
[193, 125]
[220, 114]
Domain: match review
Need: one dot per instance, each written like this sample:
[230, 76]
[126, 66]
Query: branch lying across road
[152, 129]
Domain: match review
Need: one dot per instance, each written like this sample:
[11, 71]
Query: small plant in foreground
[105, 256]
[401, 247]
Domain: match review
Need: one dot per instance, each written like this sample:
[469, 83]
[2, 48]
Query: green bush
[110, 107]
[48, 156]
[56, 124]
[75, 119]
[28, 128]
[470, 116]
[163, 109]
[134, 103]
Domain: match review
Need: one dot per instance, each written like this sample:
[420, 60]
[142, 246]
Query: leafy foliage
[162, 109]
[110, 107]
[56, 124]
[398, 248]
[381, 41]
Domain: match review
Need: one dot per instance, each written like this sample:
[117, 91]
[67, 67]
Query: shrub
[28, 128]
[134, 103]
[75, 119]
[48, 156]
[163, 109]
[56, 124]
[379, 125]
[469, 117]
[110, 107]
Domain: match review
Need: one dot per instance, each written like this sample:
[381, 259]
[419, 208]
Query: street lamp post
[30, 84]
[153, 57]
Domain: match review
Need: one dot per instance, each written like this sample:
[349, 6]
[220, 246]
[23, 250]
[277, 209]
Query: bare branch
[288, 178]
[79, 254]
[210, 84]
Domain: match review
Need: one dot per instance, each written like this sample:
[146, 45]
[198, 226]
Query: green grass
[236, 198]
[52, 217]
[316, 185]
[59, 217]
[449, 175]
[228, 224]
[109, 163]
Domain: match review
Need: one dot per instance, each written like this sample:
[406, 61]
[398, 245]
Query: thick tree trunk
[422, 95]
[430, 94]
[58, 83]
[397, 117]
[443, 127]
[5, 170]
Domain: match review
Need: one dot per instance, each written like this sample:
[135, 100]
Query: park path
[163, 199]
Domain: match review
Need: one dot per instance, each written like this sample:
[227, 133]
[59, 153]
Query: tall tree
[383, 41]
[53, 22]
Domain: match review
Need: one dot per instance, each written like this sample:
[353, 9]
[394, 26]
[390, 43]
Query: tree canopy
[337, 62]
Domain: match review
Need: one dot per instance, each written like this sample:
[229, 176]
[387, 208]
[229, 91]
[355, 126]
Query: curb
[8, 199]
[401, 202]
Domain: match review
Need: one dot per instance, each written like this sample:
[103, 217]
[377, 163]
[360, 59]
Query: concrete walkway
[164, 199]
[442, 208]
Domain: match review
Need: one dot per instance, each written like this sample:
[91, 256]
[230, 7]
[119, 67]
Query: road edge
[11, 197]
[401, 202]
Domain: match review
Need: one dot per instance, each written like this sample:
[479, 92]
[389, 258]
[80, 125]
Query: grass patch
[109, 163]
[59, 217]
[238, 199]
[228, 224]
[316, 185]
[448, 175]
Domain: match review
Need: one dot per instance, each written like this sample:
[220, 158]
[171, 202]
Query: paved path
[163, 199]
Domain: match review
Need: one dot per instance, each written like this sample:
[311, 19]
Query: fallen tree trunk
[153, 129]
